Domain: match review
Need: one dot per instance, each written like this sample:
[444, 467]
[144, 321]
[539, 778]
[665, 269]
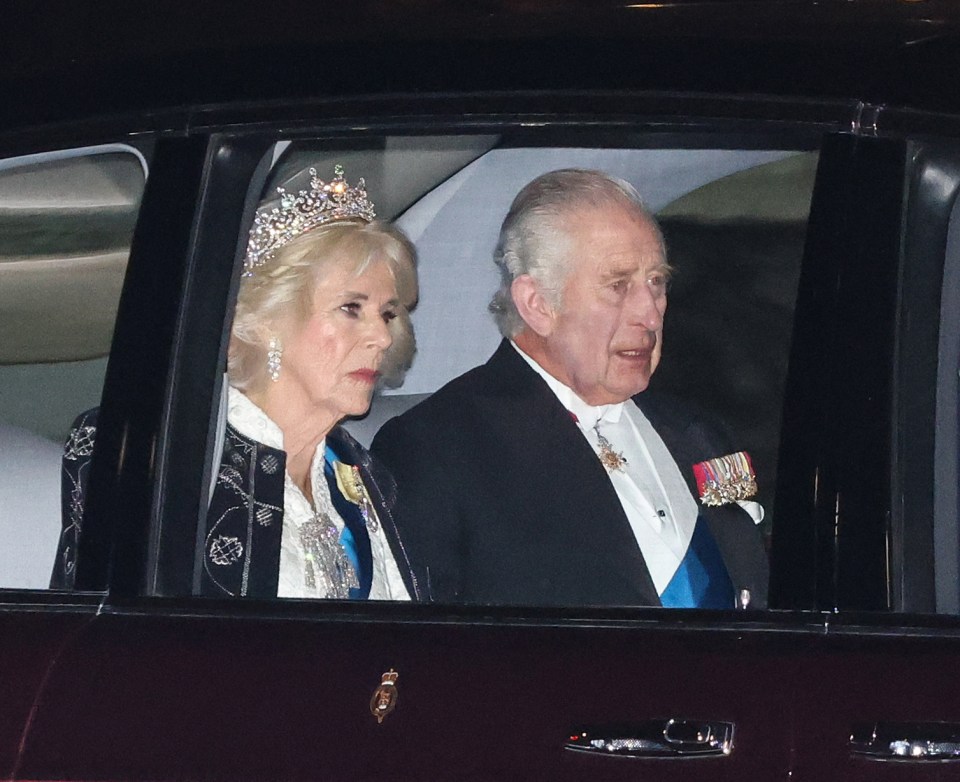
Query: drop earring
[274, 355]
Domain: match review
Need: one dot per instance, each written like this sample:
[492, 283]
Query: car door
[67, 212]
[893, 689]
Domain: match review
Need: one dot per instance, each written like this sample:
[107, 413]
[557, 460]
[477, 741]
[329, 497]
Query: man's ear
[532, 305]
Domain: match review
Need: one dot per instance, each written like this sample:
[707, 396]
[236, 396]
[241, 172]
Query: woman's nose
[380, 335]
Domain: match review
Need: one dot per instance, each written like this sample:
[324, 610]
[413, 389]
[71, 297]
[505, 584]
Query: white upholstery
[29, 508]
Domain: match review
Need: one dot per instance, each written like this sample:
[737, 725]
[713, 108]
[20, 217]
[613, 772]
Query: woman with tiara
[299, 509]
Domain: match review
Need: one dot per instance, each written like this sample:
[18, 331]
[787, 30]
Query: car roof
[64, 60]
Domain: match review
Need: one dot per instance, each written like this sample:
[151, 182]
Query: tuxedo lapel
[538, 431]
[687, 447]
[729, 524]
[674, 429]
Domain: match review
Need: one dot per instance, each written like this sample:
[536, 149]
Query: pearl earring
[274, 354]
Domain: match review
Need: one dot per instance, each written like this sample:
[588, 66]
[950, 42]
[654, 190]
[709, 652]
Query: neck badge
[609, 458]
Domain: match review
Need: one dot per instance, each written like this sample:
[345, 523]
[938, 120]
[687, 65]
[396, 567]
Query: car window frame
[123, 572]
[922, 495]
[192, 420]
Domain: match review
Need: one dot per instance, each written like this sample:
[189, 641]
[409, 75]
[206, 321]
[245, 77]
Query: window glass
[734, 222]
[66, 220]
[947, 479]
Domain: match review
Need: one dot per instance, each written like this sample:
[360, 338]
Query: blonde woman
[299, 509]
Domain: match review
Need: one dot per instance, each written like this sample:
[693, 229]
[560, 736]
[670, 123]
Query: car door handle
[656, 738]
[906, 741]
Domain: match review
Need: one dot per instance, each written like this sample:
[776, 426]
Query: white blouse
[248, 419]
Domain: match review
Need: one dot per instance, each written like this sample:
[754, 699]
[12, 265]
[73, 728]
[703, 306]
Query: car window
[66, 220]
[735, 214]
[947, 478]
[733, 217]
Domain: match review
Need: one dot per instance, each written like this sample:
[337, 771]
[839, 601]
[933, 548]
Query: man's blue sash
[702, 580]
[354, 538]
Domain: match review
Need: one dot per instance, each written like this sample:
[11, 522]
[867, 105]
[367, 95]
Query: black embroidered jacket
[241, 554]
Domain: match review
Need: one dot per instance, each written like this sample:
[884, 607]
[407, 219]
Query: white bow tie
[604, 414]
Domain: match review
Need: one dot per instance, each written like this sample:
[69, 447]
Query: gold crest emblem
[384, 698]
[351, 486]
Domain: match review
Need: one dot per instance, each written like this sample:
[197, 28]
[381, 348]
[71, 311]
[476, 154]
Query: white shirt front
[248, 419]
[655, 498]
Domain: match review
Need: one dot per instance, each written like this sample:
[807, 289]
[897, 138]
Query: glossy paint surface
[179, 692]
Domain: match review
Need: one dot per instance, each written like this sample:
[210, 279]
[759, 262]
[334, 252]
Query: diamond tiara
[323, 203]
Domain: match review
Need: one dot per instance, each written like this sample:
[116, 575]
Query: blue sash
[354, 538]
[702, 580]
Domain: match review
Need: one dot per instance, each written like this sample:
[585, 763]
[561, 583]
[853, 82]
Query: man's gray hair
[533, 240]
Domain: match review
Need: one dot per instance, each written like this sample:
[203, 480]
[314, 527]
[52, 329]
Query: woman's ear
[266, 330]
[533, 306]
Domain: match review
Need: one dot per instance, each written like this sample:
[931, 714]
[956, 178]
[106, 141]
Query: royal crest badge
[384, 698]
[351, 486]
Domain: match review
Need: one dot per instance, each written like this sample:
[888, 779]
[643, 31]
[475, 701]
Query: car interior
[67, 218]
[733, 211]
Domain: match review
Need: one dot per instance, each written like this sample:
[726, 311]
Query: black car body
[851, 672]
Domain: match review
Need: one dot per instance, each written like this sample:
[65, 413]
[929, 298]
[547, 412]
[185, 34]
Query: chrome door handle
[656, 738]
[906, 741]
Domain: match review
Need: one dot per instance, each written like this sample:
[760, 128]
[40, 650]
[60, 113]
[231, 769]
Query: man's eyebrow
[618, 272]
[622, 272]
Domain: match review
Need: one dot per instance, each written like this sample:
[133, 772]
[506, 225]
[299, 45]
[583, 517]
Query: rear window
[66, 220]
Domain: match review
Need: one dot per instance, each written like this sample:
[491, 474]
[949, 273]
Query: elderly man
[549, 475]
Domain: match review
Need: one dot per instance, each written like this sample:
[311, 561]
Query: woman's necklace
[327, 568]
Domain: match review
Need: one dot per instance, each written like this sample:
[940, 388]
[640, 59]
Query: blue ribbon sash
[354, 538]
[702, 580]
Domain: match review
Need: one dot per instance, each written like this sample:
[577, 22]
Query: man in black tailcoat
[550, 475]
